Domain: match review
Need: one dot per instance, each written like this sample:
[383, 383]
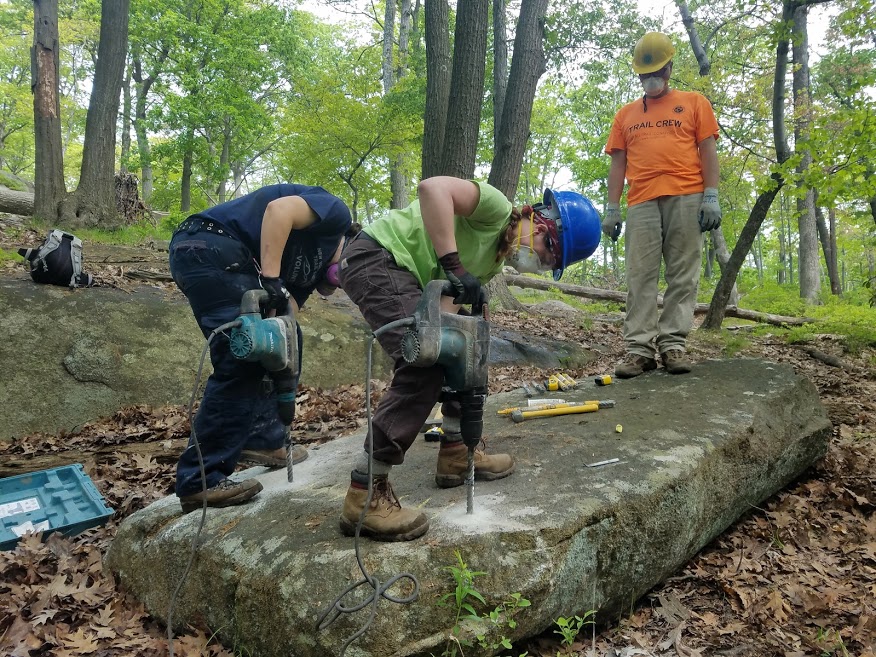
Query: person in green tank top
[462, 231]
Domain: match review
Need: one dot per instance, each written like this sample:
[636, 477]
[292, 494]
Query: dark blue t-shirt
[308, 251]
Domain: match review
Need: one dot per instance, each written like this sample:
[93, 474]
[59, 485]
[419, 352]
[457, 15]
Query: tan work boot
[273, 458]
[634, 365]
[385, 519]
[226, 493]
[453, 465]
[676, 362]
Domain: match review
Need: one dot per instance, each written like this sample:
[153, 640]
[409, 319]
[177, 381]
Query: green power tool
[461, 344]
[273, 343]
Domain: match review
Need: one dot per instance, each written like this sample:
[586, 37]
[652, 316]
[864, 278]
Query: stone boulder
[695, 453]
[76, 355]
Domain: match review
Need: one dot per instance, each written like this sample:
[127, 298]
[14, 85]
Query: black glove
[278, 295]
[468, 288]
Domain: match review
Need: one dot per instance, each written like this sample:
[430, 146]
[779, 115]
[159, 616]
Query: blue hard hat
[578, 225]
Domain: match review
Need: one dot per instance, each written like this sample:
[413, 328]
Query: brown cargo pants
[384, 293]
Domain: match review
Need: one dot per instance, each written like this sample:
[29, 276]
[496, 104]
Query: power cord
[380, 590]
[197, 535]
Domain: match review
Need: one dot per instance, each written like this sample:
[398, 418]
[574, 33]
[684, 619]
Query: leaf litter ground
[793, 578]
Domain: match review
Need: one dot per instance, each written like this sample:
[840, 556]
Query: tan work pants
[666, 228]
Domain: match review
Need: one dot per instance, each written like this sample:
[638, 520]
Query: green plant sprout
[569, 628]
[462, 600]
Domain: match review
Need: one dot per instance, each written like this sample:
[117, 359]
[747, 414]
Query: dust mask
[654, 86]
[524, 259]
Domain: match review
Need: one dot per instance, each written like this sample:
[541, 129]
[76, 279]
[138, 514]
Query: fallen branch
[621, 297]
[145, 275]
[827, 359]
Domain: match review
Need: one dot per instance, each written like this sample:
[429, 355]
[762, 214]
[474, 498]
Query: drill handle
[479, 308]
[252, 301]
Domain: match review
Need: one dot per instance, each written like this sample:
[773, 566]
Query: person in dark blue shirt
[285, 239]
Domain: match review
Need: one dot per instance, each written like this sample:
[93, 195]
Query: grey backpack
[58, 261]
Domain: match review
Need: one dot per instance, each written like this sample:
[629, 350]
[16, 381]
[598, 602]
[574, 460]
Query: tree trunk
[94, 201]
[723, 255]
[397, 184]
[807, 259]
[142, 85]
[527, 66]
[398, 174]
[760, 266]
[501, 297]
[438, 63]
[185, 201]
[466, 88]
[126, 123]
[16, 202]
[500, 67]
[224, 160]
[49, 187]
[827, 237]
[694, 38]
[720, 298]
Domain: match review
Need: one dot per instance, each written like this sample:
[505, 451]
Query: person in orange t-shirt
[664, 145]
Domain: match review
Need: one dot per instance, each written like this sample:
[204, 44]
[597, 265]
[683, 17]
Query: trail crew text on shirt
[666, 123]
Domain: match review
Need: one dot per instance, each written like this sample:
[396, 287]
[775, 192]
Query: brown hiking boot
[676, 362]
[385, 519]
[634, 365]
[453, 465]
[273, 458]
[226, 493]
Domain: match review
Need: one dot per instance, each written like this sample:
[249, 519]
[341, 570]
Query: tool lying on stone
[461, 344]
[553, 383]
[601, 463]
[519, 415]
[559, 403]
[273, 342]
[559, 381]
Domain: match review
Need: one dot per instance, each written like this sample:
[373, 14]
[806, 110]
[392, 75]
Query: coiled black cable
[379, 589]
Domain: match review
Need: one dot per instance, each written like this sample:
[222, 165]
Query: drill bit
[288, 442]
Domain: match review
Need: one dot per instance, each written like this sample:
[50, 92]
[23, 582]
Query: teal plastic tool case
[57, 500]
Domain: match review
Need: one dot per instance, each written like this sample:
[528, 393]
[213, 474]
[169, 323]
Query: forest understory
[792, 578]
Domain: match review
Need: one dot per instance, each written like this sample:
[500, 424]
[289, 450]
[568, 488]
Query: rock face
[92, 351]
[695, 453]
[99, 349]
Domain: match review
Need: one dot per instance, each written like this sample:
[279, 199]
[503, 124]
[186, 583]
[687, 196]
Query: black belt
[194, 225]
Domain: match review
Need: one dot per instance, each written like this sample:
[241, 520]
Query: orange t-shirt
[663, 157]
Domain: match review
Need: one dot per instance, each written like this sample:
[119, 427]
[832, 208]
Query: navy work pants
[239, 407]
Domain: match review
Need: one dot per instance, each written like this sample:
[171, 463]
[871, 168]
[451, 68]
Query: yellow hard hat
[652, 52]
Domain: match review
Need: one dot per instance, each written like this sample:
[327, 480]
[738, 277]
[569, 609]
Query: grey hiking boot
[385, 519]
[226, 493]
[676, 362]
[273, 458]
[634, 365]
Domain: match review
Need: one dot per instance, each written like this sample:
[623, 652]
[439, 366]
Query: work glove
[467, 287]
[710, 211]
[612, 222]
[278, 295]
